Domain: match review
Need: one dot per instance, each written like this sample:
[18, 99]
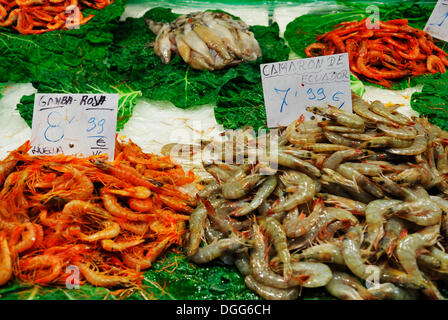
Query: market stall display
[301, 33]
[393, 51]
[361, 193]
[206, 40]
[132, 70]
[398, 26]
[355, 196]
[109, 219]
[38, 16]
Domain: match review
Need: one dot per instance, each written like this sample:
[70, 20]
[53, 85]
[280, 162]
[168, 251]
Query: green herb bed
[109, 56]
[172, 277]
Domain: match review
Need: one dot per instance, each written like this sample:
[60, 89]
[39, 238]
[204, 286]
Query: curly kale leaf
[172, 277]
[133, 57]
[432, 101]
[27, 58]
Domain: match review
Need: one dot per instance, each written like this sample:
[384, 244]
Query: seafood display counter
[202, 200]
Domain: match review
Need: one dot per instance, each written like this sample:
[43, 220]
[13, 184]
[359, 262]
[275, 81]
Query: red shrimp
[140, 205]
[23, 238]
[100, 279]
[175, 203]
[143, 257]
[129, 174]
[111, 204]
[43, 269]
[435, 64]
[5, 260]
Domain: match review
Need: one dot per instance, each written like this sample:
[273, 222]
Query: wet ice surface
[401, 97]
[152, 139]
[154, 124]
[13, 129]
[250, 14]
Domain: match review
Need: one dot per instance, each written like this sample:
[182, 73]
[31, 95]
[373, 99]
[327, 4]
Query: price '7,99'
[313, 94]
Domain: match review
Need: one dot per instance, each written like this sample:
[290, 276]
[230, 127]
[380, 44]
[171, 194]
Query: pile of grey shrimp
[358, 205]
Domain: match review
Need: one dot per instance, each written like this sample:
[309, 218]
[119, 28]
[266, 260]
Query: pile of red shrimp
[39, 16]
[107, 220]
[394, 50]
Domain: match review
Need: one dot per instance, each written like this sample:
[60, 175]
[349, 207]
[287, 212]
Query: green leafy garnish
[172, 277]
[240, 103]
[432, 101]
[29, 58]
[2, 86]
[69, 61]
[132, 56]
[192, 282]
[122, 61]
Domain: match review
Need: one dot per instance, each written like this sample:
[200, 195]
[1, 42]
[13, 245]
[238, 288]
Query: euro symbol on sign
[101, 142]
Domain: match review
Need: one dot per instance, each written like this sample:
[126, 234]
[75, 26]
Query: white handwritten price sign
[74, 124]
[437, 24]
[291, 86]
